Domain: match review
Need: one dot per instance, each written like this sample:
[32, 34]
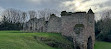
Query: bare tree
[32, 14]
[14, 16]
[47, 12]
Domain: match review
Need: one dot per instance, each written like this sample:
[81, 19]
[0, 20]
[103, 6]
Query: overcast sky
[75, 5]
[68, 5]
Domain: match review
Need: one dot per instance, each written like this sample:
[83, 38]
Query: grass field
[19, 40]
[102, 45]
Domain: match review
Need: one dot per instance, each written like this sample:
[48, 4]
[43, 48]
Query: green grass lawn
[19, 40]
[102, 45]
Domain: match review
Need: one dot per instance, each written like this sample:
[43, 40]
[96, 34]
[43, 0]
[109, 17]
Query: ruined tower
[79, 26]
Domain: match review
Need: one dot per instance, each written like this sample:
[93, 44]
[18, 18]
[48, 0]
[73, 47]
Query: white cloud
[84, 5]
[97, 6]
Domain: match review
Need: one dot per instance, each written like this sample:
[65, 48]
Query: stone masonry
[54, 24]
[78, 25]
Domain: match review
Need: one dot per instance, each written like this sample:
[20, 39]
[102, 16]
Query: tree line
[13, 19]
[103, 27]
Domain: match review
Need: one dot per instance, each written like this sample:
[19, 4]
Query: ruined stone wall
[69, 22]
[91, 27]
[34, 25]
[54, 24]
[40, 25]
[28, 26]
[77, 26]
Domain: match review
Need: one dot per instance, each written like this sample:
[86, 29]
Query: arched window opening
[78, 28]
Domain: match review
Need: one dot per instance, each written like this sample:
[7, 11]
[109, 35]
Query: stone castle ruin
[78, 25]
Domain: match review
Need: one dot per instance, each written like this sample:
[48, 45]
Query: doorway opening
[89, 43]
[77, 47]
